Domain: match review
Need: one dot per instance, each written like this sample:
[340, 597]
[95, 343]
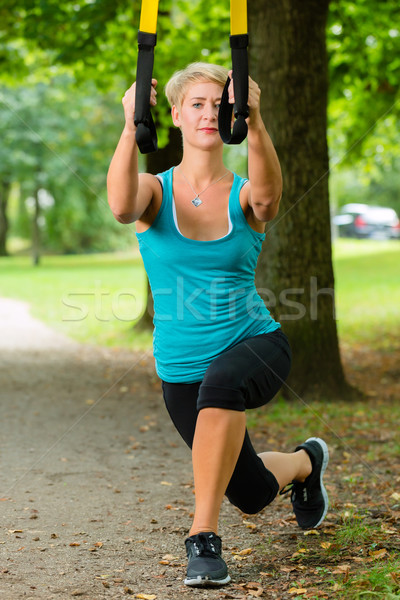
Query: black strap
[146, 135]
[240, 69]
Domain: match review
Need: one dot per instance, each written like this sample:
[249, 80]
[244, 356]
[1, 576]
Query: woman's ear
[175, 116]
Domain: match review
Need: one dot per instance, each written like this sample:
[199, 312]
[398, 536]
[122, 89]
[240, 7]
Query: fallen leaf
[146, 596]
[254, 588]
[345, 570]
[311, 532]
[326, 545]
[250, 525]
[300, 552]
[75, 544]
[244, 552]
[395, 496]
[238, 557]
[342, 569]
[294, 590]
[378, 553]
[165, 483]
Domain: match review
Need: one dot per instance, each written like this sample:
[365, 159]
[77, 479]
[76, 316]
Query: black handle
[146, 135]
[240, 69]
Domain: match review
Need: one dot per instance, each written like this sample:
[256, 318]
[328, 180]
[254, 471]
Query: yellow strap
[148, 16]
[238, 17]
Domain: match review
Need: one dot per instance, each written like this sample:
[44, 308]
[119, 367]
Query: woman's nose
[210, 112]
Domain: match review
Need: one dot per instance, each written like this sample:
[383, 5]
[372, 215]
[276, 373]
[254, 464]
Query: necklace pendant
[196, 201]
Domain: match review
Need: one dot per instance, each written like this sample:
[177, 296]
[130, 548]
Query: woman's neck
[202, 166]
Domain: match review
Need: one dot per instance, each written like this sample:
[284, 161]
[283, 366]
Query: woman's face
[198, 115]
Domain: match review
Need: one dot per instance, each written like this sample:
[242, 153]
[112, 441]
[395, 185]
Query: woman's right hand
[128, 102]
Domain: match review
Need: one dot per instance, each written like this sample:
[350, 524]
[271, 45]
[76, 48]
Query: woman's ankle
[197, 530]
[305, 466]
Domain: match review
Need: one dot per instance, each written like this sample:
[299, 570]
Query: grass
[367, 291]
[91, 298]
[95, 298]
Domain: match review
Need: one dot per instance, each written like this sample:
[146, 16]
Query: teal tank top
[205, 299]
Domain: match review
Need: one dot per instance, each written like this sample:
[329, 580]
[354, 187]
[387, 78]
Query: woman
[218, 351]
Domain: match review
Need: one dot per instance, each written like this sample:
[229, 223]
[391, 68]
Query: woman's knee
[251, 501]
[222, 386]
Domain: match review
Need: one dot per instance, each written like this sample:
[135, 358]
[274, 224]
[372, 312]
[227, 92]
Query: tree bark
[5, 186]
[157, 162]
[288, 59]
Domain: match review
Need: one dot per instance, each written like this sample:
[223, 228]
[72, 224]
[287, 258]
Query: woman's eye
[196, 105]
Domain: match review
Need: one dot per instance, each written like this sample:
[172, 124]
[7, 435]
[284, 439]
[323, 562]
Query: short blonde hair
[195, 72]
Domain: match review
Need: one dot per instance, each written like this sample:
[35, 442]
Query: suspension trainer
[146, 135]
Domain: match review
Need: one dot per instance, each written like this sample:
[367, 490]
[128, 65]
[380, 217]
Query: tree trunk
[36, 230]
[157, 162]
[5, 186]
[288, 59]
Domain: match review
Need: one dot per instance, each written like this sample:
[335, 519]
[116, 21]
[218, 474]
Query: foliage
[51, 145]
[364, 109]
[53, 52]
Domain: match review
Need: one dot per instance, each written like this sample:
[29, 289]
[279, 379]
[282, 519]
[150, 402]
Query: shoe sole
[200, 581]
[325, 461]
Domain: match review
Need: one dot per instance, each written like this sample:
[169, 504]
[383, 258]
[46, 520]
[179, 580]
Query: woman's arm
[263, 165]
[129, 194]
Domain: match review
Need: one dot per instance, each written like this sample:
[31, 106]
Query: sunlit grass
[367, 282]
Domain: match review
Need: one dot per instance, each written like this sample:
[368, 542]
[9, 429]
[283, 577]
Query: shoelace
[204, 546]
[301, 495]
[288, 488]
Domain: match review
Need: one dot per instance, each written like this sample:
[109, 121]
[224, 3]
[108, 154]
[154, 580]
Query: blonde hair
[195, 72]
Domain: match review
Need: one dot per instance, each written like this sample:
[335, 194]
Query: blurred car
[364, 221]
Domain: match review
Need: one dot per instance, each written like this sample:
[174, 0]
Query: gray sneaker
[205, 566]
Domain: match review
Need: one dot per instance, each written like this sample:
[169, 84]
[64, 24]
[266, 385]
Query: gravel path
[95, 485]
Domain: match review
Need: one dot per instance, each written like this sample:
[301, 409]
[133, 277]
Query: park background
[329, 74]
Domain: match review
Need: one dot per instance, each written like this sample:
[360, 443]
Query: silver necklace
[196, 200]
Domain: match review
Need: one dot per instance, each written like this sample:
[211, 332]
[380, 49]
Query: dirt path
[96, 485]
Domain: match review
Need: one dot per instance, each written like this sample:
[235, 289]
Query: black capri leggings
[246, 376]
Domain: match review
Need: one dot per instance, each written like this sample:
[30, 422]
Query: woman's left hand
[253, 101]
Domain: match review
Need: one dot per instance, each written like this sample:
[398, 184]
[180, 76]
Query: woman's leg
[217, 443]
[246, 376]
[287, 467]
